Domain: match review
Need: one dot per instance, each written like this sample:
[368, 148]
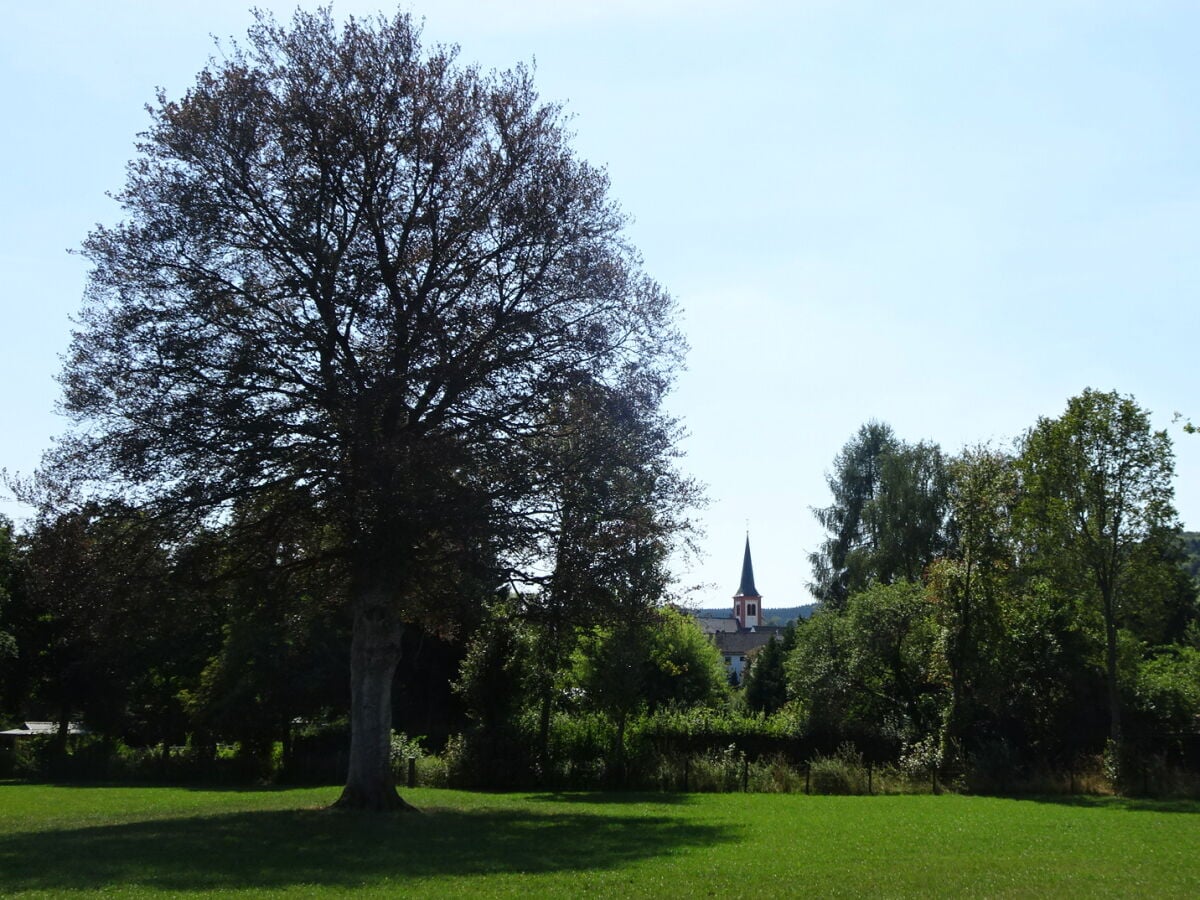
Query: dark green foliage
[1096, 510]
[866, 673]
[970, 585]
[1058, 597]
[888, 518]
[616, 512]
[991, 671]
[1191, 548]
[853, 483]
[842, 772]
[494, 684]
[765, 687]
[1044, 693]
[8, 642]
[663, 660]
[1167, 693]
[617, 673]
[104, 626]
[281, 628]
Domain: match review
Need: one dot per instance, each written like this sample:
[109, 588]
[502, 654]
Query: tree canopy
[358, 275]
[888, 517]
[1097, 501]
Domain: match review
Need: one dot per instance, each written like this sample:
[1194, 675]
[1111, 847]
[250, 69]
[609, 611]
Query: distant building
[738, 634]
[747, 602]
[8, 738]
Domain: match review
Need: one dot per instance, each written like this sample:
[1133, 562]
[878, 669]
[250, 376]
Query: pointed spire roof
[747, 588]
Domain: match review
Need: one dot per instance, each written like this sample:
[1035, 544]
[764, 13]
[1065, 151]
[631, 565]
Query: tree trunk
[59, 741]
[374, 655]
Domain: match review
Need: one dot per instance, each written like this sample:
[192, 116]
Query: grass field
[127, 841]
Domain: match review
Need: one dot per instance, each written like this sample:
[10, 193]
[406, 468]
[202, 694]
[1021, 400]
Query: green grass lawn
[132, 841]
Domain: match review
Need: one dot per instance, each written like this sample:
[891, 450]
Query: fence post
[870, 786]
[687, 765]
[412, 771]
[745, 776]
[808, 778]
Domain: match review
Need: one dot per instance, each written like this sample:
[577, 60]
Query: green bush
[455, 761]
[720, 771]
[433, 771]
[841, 773]
[776, 775]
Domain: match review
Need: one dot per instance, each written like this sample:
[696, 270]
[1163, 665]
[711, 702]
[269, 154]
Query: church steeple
[747, 602]
[746, 588]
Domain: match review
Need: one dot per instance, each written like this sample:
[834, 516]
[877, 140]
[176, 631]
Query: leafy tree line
[1032, 607]
[222, 638]
[155, 639]
[997, 657]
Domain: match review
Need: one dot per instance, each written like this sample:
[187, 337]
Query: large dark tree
[358, 273]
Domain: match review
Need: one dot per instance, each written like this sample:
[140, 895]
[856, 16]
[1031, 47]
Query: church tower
[747, 602]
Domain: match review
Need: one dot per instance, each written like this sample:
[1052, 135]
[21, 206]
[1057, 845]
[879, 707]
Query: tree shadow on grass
[323, 848]
[1130, 804]
[198, 787]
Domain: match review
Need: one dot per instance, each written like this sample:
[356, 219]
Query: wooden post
[870, 786]
[412, 771]
[745, 775]
[687, 765]
[808, 779]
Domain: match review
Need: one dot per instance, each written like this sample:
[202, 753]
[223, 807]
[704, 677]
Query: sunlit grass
[146, 841]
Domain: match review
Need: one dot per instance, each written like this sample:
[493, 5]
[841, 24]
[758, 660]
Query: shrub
[718, 771]
[433, 771]
[921, 759]
[841, 773]
[455, 761]
[775, 775]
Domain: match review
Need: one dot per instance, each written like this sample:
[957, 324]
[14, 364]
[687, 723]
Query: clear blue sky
[950, 217]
